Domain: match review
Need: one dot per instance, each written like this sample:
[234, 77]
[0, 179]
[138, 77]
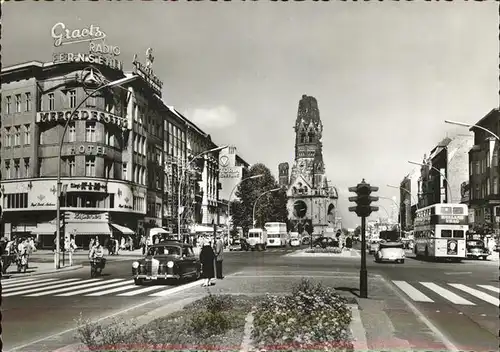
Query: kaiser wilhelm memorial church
[312, 202]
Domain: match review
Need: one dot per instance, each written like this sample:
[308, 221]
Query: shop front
[84, 226]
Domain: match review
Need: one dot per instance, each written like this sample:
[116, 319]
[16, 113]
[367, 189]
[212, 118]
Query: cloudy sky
[386, 75]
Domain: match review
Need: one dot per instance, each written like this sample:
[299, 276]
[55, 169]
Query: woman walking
[207, 259]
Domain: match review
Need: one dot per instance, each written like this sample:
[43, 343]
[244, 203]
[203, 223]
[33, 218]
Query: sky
[385, 74]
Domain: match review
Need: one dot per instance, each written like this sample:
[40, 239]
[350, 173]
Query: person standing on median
[219, 250]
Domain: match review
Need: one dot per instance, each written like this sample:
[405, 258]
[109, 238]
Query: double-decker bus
[440, 231]
[277, 235]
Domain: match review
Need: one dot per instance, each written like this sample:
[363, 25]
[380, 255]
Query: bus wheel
[426, 251]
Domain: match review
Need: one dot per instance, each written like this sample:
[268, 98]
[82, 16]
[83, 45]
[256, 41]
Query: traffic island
[325, 252]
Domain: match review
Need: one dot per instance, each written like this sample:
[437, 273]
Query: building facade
[444, 171]
[408, 195]
[312, 201]
[483, 190]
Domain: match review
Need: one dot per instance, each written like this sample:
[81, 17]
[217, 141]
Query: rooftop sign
[146, 72]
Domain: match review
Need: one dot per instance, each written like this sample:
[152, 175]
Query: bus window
[458, 234]
[458, 211]
[446, 233]
[446, 210]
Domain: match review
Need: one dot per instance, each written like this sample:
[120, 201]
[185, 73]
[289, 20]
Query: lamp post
[229, 200]
[444, 176]
[457, 123]
[111, 84]
[255, 203]
[399, 212]
[181, 179]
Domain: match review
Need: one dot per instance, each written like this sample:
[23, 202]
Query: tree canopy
[271, 207]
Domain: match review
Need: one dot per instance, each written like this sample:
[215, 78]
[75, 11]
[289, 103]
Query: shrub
[312, 316]
[334, 250]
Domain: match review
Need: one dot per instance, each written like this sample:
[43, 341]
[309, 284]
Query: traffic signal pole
[363, 209]
[363, 273]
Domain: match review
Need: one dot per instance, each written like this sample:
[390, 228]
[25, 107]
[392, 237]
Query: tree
[270, 207]
[345, 231]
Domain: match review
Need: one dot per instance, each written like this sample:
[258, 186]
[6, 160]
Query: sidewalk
[38, 268]
[381, 322]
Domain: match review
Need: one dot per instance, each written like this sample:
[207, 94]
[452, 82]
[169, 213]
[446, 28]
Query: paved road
[460, 299]
[37, 307]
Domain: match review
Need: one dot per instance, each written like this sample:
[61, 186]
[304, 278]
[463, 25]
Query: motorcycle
[96, 266]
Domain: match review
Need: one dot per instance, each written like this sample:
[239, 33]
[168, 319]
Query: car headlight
[170, 264]
[135, 265]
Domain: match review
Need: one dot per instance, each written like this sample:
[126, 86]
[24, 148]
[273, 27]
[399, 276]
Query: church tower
[312, 202]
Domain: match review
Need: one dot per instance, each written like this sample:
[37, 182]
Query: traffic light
[363, 199]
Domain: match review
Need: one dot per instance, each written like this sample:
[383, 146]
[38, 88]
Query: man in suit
[219, 249]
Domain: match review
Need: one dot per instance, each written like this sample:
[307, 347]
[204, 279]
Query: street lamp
[255, 203]
[111, 84]
[399, 212]
[184, 167]
[404, 189]
[444, 176]
[470, 126]
[229, 200]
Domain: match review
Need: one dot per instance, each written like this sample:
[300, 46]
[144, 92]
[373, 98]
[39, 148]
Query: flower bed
[334, 250]
[312, 317]
[212, 323]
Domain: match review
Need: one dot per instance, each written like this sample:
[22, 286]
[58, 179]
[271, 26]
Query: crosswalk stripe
[450, 296]
[23, 283]
[74, 293]
[34, 285]
[142, 290]
[113, 290]
[88, 283]
[491, 288]
[412, 292]
[18, 293]
[479, 294]
[173, 290]
[15, 282]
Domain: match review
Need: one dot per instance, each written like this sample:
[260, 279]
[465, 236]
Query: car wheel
[484, 257]
[402, 261]
[138, 282]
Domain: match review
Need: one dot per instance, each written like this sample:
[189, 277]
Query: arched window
[305, 190]
[294, 190]
[302, 137]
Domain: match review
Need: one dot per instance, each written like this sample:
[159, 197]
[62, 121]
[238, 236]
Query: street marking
[92, 283]
[74, 293]
[450, 296]
[34, 285]
[23, 283]
[176, 289]
[17, 293]
[412, 292]
[491, 288]
[113, 290]
[481, 295]
[459, 273]
[6, 282]
[142, 290]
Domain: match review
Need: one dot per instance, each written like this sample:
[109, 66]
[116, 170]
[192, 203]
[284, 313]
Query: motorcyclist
[96, 254]
[22, 252]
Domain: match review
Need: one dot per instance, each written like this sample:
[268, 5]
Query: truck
[255, 239]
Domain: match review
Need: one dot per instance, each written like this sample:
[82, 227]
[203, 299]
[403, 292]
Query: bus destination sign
[449, 220]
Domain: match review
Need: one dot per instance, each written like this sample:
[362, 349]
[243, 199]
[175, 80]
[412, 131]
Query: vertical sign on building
[229, 173]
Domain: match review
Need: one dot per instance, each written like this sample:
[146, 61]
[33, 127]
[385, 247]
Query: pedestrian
[91, 243]
[143, 244]
[71, 250]
[117, 246]
[207, 258]
[219, 249]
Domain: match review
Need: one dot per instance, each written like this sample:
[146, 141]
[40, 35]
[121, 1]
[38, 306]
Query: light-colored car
[373, 246]
[390, 252]
[294, 239]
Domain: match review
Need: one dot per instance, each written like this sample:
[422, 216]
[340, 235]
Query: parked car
[476, 249]
[167, 260]
[390, 252]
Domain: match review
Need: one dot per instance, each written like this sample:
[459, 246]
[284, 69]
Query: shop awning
[124, 230]
[44, 229]
[88, 228]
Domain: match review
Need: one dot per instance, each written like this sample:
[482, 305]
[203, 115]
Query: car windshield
[164, 250]
[391, 245]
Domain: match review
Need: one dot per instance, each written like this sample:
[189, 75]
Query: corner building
[312, 202]
[111, 155]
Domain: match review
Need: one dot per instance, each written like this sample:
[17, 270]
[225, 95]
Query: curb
[358, 331]
[18, 275]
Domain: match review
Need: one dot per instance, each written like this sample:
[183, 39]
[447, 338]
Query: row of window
[17, 168]
[22, 103]
[479, 167]
[440, 233]
[489, 187]
[17, 136]
[154, 210]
